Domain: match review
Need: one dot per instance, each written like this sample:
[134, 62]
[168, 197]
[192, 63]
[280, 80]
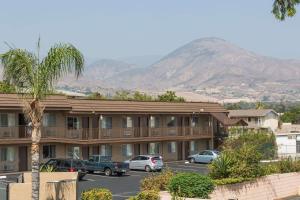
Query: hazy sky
[113, 29]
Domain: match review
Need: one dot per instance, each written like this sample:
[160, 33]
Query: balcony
[60, 134]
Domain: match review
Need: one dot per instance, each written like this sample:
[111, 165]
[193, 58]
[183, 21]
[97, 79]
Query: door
[22, 125]
[85, 152]
[179, 150]
[136, 148]
[95, 127]
[85, 128]
[23, 158]
[187, 149]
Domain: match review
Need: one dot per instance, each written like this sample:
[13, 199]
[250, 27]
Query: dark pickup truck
[104, 164]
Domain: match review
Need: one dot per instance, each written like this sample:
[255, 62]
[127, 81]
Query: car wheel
[107, 172]
[148, 168]
[90, 172]
[192, 160]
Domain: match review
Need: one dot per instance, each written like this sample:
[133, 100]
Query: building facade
[257, 118]
[288, 140]
[78, 128]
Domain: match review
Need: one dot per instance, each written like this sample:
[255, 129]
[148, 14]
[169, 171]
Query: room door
[23, 158]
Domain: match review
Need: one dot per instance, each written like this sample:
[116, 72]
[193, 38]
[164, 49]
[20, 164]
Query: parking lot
[128, 185]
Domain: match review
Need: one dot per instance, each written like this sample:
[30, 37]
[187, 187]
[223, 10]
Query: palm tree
[34, 79]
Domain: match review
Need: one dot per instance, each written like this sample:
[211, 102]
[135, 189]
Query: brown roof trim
[60, 102]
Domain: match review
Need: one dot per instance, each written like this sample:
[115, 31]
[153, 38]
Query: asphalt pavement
[125, 186]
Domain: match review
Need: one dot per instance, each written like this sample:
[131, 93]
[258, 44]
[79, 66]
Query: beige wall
[50, 189]
[269, 187]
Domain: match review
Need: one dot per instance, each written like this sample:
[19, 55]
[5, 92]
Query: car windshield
[216, 152]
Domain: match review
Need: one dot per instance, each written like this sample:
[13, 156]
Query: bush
[246, 163]
[96, 194]
[221, 167]
[270, 168]
[288, 165]
[226, 181]
[146, 195]
[263, 142]
[157, 182]
[191, 185]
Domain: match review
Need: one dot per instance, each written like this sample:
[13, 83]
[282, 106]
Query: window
[154, 122]
[49, 120]
[106, 122]
[297, 146]
[7, 154]
[73, 152]
[7, 119]
[49, 151]
[127, 150]
[73, 122]
[127, 122]
[172, 147]
[106, 150]
[171, 121]
[195, 121]
[153, 148]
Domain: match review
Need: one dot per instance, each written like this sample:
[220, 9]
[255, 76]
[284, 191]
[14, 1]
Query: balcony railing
[104, 133]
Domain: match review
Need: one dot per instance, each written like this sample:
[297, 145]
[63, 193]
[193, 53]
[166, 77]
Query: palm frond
[60, 60]
[18, 68]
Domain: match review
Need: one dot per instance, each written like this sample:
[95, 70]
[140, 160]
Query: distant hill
[212, 62]
[208, 66]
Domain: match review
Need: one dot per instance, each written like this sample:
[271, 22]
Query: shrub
[270, 168]
[221, 167]
[157, 182]
[246, 163]
[191, 185]
[96, 194]
[226, 181]
[263, 142]
[146, 195]
[288, 165]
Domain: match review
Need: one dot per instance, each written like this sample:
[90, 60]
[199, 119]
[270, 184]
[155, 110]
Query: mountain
[215, 64]
[210, 62]
[208, 67]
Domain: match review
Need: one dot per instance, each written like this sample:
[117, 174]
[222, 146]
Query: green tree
[122, 95]
[260, 105]
[170, 96]
[5, 87]
[284, 8]
[291, 116]
[34, 78]
[138, 96]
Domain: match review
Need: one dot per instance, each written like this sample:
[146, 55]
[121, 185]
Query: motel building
[75, 127]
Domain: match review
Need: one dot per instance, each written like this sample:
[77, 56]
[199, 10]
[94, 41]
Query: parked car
[105, 164]
[146, 162]
[206, 156]
[68, 165]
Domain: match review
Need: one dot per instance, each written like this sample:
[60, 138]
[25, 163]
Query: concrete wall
[271, 187]
[52, 186]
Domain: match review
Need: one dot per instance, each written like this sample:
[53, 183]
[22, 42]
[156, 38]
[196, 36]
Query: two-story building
[78, 127]
[288, 140]
[257, 118]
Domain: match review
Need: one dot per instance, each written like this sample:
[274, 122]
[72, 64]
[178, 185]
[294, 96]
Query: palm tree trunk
[35, 162]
